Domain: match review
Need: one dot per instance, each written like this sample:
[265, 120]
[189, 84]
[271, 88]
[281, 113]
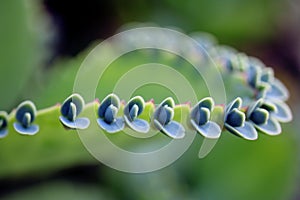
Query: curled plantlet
[199, 119]
[70, 109]
[132, 110]
[3, 124]
[25, 115]
[262, 78]
[265, 116]
[107, 113]
[163, 120]
[235, 121]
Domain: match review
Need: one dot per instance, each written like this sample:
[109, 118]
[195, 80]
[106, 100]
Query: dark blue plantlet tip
[70, 109]
[163, 120]
[132, 110]
[199, 119]
[3, 124]
[107, 113]
[261, 115]
[235, 121]
[25, 115]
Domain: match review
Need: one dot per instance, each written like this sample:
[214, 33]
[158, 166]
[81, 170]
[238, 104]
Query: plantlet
[163, 120]
[107, 113]
[70, 109]
[200, 119]
[25, 115]
[260, 114]
[235, 121]
[132, 110]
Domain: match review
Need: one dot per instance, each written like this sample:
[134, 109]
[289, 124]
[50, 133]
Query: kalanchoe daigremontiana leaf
[70, 109]
[163, 120]
[199, 119]
[25, 115]
[235, 121]
[132, 110]
[3, 124]
[107, 113]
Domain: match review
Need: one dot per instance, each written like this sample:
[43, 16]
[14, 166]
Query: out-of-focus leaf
[19, 50]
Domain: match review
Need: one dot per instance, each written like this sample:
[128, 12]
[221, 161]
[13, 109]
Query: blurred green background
[42, 44]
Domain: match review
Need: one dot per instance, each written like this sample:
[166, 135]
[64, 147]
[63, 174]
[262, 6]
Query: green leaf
[19, 50]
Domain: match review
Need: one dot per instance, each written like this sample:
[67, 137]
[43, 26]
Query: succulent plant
[25, 116]
[107, 113]
[200, 119]
[132, 110]
[263, 108]
[163, 120]
[70, 109]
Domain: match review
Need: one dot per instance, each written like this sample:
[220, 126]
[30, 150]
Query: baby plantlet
[235, 121]
[25, 115]
[260, 113]
[163, 120]
[107, 113]
[200, 119]
[132, 110]
[262, 78]
[70, 109]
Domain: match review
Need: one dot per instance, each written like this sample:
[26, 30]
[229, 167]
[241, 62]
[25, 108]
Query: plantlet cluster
[261, 115]
[243, 116]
